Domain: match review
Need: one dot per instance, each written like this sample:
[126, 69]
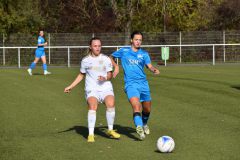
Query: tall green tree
[19, 16]
[174, 15]
[27, 16]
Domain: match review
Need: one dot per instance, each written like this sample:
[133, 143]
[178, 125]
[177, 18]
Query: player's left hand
[156, 71]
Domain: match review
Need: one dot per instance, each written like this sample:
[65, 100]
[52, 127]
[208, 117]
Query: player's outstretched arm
[74, 83]
[116, 67]
[153, 69]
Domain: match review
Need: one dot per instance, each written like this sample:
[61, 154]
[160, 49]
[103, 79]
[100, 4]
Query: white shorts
[100, 95]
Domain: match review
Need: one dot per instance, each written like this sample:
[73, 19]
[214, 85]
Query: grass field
[199, 106]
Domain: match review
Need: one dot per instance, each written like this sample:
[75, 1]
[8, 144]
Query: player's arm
[74, 83]
[107, 78]
[153, 69]
[41, 44]
[116, 67]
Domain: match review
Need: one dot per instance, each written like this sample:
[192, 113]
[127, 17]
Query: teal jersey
[41, 40]
[133, 63]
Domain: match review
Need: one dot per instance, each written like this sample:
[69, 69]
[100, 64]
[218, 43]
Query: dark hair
[136, 33]
[90, 43]
[94, 38]
[40, 29]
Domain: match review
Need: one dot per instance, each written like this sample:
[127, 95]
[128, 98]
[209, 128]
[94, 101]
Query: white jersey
[95, 67]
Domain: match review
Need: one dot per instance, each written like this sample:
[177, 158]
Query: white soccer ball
[165, 144]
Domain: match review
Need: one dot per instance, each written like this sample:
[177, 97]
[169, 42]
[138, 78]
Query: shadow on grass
[167, 153]
[102, 131]
[37, 74]
[236, 87]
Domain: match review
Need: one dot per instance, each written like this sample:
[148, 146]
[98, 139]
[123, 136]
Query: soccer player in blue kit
[133, 60]
[40, 53]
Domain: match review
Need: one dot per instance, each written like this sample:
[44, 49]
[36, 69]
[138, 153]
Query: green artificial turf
[199, 106]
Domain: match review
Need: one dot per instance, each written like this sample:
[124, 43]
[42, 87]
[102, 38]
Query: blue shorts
[39, 53]
[140, 90]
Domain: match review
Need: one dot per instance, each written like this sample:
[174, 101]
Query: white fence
[69, 48]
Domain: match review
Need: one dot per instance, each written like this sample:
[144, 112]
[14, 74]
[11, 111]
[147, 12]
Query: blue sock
[137, 119]
[145, 117]
[33, 65]
[44, 67]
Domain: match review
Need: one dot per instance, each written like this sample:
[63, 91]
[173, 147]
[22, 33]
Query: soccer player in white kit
[97, 68]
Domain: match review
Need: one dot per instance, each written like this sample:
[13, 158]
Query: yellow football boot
[113, 134]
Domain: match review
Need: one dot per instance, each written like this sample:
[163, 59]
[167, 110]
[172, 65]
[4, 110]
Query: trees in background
[175, 15]
[27, 16]
[227, 16]
[20, 16]
[77, 15]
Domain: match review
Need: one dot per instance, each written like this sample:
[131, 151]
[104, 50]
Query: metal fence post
[213, 55]
[49, 48]
[19, 65]
[224, 49]
[180, 47]
[68, 57]
[117, 58]
[4, 60]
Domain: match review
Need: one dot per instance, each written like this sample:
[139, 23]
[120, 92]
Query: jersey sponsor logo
[39, 40]
[133, 61]
[97, 68]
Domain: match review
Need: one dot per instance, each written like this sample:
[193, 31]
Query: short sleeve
[147, 59]
[108, 63]
[83, 67]
[118, 54]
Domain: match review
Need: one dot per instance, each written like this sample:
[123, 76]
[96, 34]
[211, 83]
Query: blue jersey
[41, 40]
[133, 63]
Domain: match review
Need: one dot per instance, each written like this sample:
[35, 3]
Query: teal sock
[33, 65]
[44, 67]
[137, 119]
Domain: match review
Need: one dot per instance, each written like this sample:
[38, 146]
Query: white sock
[91, 121]
[110, 115]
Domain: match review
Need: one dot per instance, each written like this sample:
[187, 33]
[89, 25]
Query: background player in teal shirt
[133, 60]
[40, 53]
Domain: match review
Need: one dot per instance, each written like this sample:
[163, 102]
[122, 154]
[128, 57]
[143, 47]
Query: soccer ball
[165, 144]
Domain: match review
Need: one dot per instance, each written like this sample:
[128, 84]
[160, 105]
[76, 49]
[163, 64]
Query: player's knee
[109, 102]
[110, 105]
[136, 106]
[147, 109]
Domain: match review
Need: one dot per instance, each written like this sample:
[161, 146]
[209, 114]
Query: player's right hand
[67, 89]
